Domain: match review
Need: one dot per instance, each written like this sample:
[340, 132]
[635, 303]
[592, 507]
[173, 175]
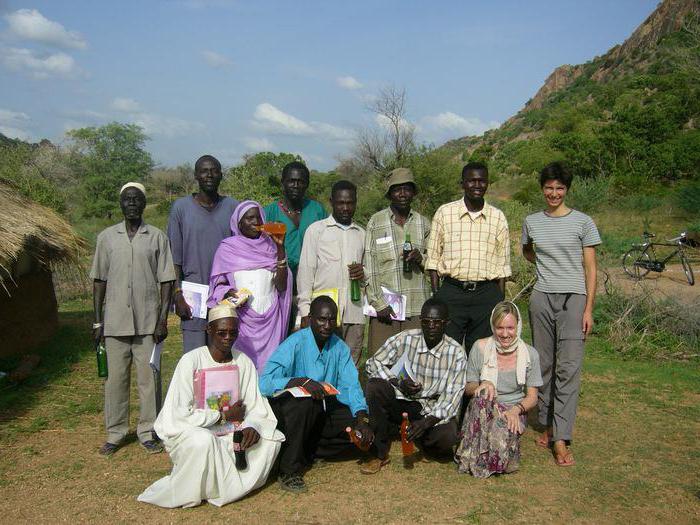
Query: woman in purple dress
[257, 262]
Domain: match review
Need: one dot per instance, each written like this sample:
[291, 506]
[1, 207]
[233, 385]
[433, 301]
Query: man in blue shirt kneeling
[314, 426]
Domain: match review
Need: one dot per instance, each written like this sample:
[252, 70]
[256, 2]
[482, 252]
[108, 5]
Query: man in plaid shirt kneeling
[421, 372]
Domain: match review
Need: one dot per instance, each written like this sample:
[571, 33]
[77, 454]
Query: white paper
[196, 296]
[393, 299]
[384, 240]
[402, 367]
[155, 356]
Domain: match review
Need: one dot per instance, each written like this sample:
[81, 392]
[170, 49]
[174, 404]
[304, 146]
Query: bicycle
[641, 258]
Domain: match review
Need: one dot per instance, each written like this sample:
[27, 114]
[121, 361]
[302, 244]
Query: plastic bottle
[355, 294]
[356, 438]
[101, 353]
[241, 461]
[273, 228]
[407, 446]
[407, 248]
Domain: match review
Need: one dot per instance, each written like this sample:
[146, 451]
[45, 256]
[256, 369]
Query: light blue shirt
[298, 356]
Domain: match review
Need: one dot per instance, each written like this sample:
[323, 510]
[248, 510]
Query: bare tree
[392, 139]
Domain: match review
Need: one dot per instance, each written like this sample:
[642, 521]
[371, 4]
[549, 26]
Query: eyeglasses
[229, 333]
[433, 322]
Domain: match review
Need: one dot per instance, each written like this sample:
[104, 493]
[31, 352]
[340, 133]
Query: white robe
[204, 464]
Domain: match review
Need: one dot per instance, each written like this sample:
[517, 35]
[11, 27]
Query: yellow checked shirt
[466, 248]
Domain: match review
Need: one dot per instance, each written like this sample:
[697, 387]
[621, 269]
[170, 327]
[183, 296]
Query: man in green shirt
[387, 230]
[295, 210]
[297, 213]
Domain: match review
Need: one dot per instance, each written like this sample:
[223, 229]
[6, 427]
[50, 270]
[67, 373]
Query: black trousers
[470, 311]
[385, 410]
[310, 431]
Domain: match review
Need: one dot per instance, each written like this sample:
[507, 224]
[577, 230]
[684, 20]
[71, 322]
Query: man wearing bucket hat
[133, 274]
[388, 267]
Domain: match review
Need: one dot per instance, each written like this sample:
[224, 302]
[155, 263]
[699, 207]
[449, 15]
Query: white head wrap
[220, 311]
[489, 369]
[136, 185]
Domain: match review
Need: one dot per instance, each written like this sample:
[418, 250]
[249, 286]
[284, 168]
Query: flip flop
[565, 460]
[540, 441]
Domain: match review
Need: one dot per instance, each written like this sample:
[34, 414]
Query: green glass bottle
[101, 352]
[355, 294]
[407, 249]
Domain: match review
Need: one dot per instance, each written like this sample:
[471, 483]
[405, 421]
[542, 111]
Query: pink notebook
[214, 387]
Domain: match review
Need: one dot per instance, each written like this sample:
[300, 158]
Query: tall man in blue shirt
[314, 426]
[196, 226]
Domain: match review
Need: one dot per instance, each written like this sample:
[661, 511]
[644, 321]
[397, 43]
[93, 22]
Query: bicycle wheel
[687, 269]
[630, 262]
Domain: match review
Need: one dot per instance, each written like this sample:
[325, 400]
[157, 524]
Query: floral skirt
[487, 446]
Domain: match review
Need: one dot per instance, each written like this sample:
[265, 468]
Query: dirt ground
[669, 284]
[636, 451]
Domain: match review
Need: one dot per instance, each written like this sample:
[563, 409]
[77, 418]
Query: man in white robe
[203, 463]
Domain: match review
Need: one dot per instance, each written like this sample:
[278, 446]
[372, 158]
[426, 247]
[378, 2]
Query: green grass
[635, 445]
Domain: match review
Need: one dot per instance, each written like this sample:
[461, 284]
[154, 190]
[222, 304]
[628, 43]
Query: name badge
[384, 240]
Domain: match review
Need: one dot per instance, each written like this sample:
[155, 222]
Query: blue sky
[230, 77]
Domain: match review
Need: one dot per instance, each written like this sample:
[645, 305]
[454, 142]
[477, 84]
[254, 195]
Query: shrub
[588, 195]
[687, 197]
[641, 326]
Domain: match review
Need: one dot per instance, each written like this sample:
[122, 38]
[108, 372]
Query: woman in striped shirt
[561, 243]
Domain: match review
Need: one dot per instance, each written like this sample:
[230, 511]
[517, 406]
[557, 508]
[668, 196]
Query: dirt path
[670, 284]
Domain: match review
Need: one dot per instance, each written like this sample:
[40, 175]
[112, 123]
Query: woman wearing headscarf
[503, 374]
[256, 262]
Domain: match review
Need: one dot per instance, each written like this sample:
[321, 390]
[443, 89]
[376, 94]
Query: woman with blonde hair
[503, 374]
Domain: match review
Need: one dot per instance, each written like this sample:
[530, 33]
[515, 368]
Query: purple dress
[259, 333]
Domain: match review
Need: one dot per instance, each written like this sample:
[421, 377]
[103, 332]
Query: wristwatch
[363, 419]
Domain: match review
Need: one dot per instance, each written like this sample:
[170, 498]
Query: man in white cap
[133, 275]
[203, 456]
[389, 232]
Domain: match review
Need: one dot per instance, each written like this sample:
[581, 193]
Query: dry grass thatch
[43, 234]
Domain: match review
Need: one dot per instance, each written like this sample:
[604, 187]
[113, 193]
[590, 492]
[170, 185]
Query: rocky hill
[632, 111]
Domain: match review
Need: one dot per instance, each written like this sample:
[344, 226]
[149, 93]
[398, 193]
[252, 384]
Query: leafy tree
[105, 158]
[258, 178]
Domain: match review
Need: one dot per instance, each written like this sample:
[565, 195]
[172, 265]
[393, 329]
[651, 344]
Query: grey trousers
[354, 336]
[556, 320]
[120, 353]
[192, 339]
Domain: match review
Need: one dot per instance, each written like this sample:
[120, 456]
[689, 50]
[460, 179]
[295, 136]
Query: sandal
[564, 460]
[544, 439]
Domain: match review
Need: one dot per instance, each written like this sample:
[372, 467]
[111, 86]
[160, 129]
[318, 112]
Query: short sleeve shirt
[508, 390]
[195, 234]
[311, 211]
[559, 243]
[133, 270]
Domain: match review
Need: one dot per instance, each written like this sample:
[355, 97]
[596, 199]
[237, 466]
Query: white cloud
[273, 120]
[39, 65]
[30, 24]
[13, 124]
[269, 118]
[216, 60]
[385, 123]
[350, 83]
[259, 144]
[448, 122]
[125, 105]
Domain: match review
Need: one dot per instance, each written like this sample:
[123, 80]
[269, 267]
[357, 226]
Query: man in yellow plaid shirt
[469, 249]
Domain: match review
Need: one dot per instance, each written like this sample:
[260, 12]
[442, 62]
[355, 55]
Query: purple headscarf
[259, 334]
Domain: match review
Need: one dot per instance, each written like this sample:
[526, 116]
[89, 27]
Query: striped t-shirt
[559, 243]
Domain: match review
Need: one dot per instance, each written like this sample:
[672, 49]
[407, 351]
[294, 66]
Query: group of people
[289, 310]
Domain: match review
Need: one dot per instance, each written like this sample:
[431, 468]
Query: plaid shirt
[466, 248]
[442, 370]
[384, 260]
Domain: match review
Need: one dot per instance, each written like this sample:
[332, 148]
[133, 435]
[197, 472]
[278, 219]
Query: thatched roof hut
[33, 241]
